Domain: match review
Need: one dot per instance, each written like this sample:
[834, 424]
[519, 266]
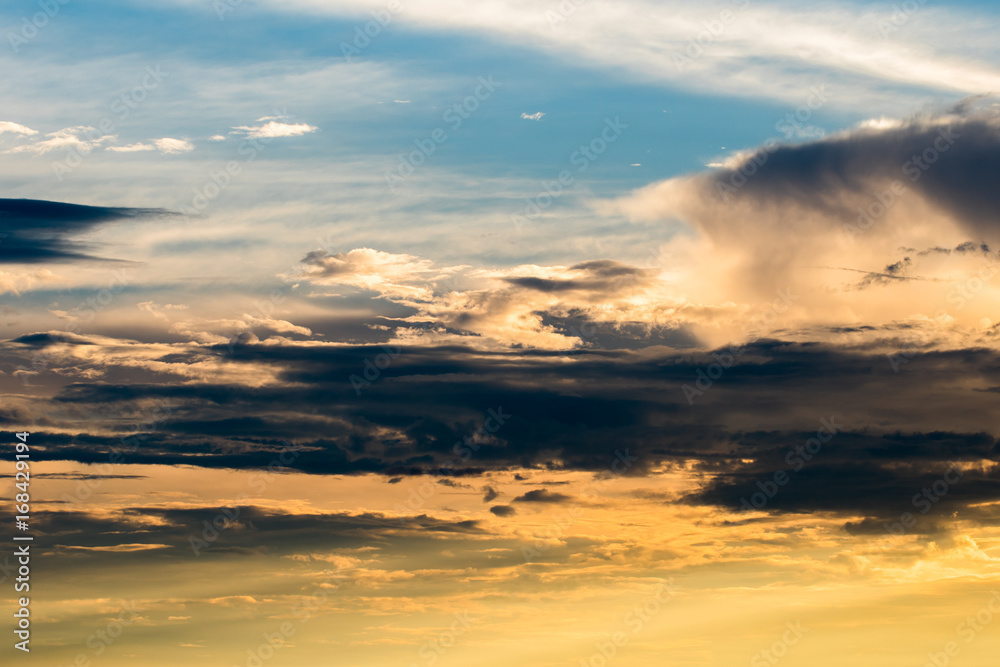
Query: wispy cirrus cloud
[731, 48]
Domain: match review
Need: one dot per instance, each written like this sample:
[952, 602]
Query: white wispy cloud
[733, 48]
[15, 128]
[165, 145]
[273, 129]
[533, 116]
[82, 138]
[171, 145]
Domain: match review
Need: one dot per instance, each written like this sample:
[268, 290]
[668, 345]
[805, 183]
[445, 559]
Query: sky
[593, 333]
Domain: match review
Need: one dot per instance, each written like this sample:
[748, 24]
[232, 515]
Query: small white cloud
[881, 123]
[170, 145]
[131, 148]
[164, 145]
[401, 101]
[217, 137]
[636, 164]
[15, 128]
[533, 116]
[274, 129]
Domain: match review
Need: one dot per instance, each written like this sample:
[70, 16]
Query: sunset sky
[423, 332]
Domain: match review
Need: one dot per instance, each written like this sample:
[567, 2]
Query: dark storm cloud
[457, 412]
[34, 231]
[259, 529]
[594, 276]
[953, 160]
[542, 496]
[619, 335]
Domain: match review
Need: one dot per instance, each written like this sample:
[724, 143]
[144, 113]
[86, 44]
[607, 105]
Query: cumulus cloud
[527, 305]
[855, 210]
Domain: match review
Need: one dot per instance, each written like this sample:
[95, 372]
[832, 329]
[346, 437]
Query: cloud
[117, 548]
[503, 510]
[7, 126]
[132, 148]
[274, 129]
[542, 496]
[534, 116]
[36, 231]
[752, 49]
[165, 145]
[566, 411]
[170, 145]
[858, 210]
[20, 282]
[81, 138]
[489, 494]
[526, 305]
